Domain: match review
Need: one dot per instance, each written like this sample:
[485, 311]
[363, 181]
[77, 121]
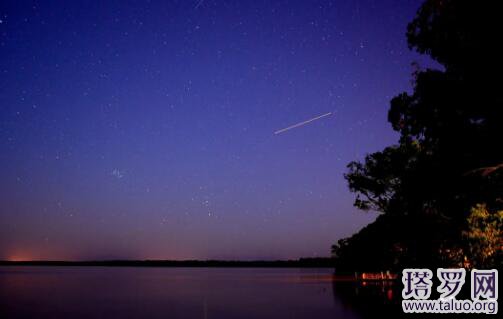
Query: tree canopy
[449, 157]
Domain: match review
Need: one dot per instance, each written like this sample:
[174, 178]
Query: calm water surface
[114, 292]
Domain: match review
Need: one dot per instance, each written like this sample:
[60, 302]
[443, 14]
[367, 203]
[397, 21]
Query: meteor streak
[302, 123]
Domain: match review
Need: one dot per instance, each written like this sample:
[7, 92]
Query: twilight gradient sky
[135, 129]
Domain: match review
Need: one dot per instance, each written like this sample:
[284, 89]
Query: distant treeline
[302, 262]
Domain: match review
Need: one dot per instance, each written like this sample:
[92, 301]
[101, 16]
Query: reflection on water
[370, 298]
[113, 292]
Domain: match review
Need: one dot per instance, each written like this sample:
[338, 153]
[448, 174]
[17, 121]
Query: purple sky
[145, 130]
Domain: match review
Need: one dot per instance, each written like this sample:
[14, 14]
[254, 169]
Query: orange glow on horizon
[19, 256]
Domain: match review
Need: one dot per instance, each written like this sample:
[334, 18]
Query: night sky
[146, 129]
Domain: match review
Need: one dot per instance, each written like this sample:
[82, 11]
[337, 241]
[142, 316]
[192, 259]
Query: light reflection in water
[116, 292]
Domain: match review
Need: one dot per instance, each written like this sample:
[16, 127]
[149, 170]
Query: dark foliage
[449, 157]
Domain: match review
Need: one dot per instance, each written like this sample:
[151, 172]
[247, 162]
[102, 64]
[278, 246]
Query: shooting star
[302, 123]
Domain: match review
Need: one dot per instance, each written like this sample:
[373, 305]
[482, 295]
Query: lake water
[116, 292]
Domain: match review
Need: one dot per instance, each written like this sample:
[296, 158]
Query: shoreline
[299, 263]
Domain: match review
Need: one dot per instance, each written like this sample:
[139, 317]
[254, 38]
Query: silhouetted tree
[449, 156]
